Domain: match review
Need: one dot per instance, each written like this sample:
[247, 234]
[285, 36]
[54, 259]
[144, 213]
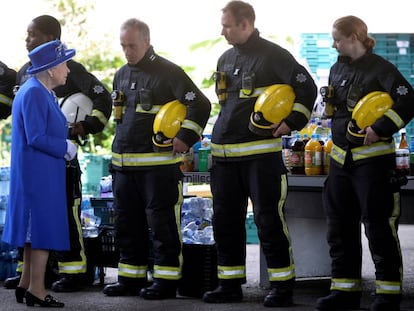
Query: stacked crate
[93, 167]
[316, 49]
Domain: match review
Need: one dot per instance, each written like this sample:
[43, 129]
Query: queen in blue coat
[36, 218]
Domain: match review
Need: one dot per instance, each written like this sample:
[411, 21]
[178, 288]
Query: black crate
[108, 254]
[199, 272]
[102, 251]
[104, 209]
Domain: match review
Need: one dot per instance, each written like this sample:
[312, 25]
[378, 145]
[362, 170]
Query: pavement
[306, 292]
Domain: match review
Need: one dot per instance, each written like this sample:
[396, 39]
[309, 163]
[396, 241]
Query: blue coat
[37, 175]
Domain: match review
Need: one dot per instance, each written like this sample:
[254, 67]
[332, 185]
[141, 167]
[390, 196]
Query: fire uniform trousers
[360, 186]
[74, 261]
[147, 184]
[7, 82]
[247, 165]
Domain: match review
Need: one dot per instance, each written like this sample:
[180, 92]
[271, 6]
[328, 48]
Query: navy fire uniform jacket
[265, 64]
[352, 81]
[7, 82]
[147, 86]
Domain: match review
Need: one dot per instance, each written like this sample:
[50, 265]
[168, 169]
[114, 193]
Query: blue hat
[48, 55]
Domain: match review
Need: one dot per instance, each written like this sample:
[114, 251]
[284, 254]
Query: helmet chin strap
[82, 140]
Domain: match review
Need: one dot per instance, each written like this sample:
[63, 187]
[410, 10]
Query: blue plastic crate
[251, 230]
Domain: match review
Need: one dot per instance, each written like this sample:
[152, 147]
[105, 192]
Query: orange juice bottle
[327, 154]
[313, 156]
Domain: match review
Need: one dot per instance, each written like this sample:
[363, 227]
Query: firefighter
[363, 185]
[7, 83]
[147, 181]
[247, 154]
[72, 265]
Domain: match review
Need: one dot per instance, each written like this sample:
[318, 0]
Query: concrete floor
[306, 292]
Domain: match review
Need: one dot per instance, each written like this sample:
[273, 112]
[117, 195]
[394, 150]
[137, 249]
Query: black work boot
[160, 289]
[12, 282]
[279, 298]
[384, 302]
[339, 300]
[224, 294]
[124, 289]
[69, 284]
[280, 295]
[66, 285]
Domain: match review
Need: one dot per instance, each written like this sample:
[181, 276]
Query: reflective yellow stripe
[231, 272]
[363, 152]
[281, 274]
[302, 109]
[350, 285]
[391, 114]
[192, 126]
[169, 273]
[256, 92]
[338, 154]
[144, 159]
[246, 149]
[19, 267]
[131, 271]
[101, 117]
[5, 100]
[284, 273]
[74, 267]
[154, 109]
[376, 149]
[386, 287]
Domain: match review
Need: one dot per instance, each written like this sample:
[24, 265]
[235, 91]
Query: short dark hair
[240, 10]
[48, 25]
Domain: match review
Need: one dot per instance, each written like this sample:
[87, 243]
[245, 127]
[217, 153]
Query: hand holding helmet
[368, 109]
[77, 129]
[271, 107]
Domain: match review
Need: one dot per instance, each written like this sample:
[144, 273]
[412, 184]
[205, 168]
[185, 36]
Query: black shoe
[67, 285]
[278, 298]
[120, 289]
[386, 303]
[224, 294]
[20, 293]
[49, 302]
[12, 283]
[159, 290]
[339, 300]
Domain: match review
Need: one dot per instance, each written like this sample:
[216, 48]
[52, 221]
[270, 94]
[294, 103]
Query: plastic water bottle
[4, 180]
[188, 232]
[204, 236]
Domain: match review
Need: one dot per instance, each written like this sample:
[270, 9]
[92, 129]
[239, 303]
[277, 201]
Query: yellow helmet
[368, 109]
[272, 106]
[167, 123]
